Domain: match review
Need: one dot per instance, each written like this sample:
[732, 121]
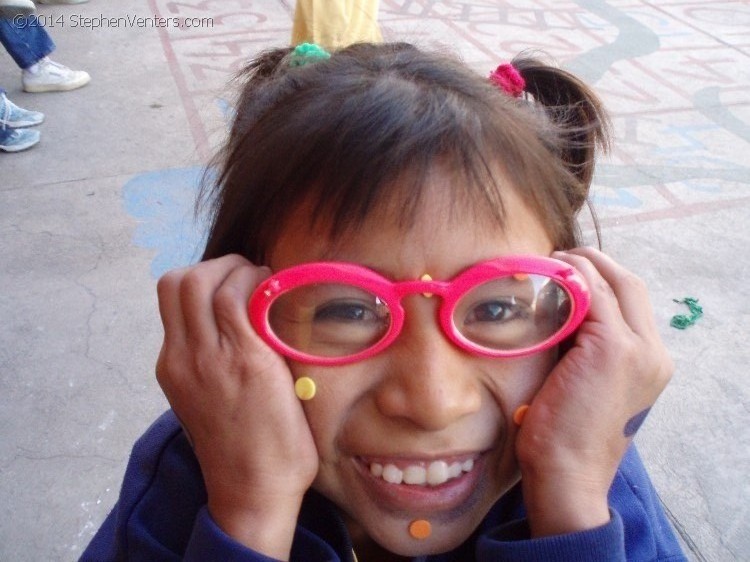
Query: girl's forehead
[442, 239]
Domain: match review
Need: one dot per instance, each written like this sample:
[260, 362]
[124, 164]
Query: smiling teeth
[434, 474]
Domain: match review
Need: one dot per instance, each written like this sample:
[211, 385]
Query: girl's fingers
[170, 309]
[230, 303]
[192, 326]
[604, 306]
[196, 293]
[629, 291]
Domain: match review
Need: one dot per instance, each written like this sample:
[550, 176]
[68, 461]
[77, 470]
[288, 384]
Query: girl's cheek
[337, 390]
[313, 390]
[515, 382]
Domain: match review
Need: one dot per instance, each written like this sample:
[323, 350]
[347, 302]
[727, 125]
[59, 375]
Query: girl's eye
[345, 312]
[499, 310]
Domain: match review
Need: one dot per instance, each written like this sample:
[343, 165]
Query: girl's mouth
[421, 486]
[434, 473]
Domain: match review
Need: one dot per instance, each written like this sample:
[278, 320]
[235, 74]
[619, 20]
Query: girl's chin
[381, 513]
[453, 510]
[393, 536]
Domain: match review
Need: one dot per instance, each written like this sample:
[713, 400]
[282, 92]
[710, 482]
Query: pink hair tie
[507, 77]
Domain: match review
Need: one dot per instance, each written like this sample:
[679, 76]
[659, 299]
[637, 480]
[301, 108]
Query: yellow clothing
[336, 23]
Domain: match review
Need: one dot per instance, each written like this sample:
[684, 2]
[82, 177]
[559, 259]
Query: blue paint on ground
[163, 203]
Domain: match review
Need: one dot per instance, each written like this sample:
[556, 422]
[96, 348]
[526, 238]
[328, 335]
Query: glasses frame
[392, 292]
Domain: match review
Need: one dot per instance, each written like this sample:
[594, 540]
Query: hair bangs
[363, 133]
[377, 150]
[390, 163]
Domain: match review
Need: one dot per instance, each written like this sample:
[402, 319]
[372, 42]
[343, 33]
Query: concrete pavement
[91, 217]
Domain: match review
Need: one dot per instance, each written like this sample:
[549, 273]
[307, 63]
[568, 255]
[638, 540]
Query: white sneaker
[51, 76]
[9, 9]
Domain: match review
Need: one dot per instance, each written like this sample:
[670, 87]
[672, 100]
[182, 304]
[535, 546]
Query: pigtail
[577, 113]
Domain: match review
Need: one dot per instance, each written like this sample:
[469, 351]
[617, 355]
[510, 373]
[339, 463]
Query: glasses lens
[513, 312]
[329, 320]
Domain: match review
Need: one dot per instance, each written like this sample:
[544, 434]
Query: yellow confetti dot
[305, 388]
[426, 277]
[420, 529]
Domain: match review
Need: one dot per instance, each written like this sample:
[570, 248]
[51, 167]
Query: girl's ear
[573, 108]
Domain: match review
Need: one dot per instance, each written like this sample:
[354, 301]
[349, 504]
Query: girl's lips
[454, 479]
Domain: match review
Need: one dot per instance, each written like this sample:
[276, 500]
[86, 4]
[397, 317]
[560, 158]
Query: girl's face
[422, 403]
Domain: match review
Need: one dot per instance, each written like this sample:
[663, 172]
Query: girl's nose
[430, 382]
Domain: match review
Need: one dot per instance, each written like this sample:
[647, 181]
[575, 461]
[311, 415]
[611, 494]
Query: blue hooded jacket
[161, 515]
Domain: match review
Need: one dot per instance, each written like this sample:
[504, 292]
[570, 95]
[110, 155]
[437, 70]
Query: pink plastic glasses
[332, 313]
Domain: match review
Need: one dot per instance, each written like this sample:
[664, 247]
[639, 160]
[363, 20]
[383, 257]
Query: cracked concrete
[91, 217]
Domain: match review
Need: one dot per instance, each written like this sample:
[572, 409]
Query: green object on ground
[682, 321]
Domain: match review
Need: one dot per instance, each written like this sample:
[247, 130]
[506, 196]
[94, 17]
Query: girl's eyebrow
[384, 269]
[336, 253]
[380, 269]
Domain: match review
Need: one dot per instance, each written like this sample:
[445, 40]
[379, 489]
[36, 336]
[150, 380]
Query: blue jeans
[27, 44]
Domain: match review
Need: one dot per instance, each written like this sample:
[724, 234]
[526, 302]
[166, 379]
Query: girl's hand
[235, 398]
[581, 422]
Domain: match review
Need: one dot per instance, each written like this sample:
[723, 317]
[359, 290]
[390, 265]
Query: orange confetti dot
[420, 529]
[519, 414]
[520, 276]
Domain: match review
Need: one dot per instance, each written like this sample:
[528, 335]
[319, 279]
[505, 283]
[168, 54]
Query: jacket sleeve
[512, 541]
[161, 513]
[638, 529]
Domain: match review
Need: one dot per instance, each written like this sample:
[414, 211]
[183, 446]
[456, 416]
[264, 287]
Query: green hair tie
[305, 53]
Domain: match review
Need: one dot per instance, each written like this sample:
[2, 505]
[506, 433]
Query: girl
[394, 347]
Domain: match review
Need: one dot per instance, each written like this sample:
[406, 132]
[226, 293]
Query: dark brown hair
[368, 125]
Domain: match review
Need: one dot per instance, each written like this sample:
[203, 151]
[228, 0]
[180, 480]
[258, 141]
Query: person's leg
[334, 24]
[10, 9]
[27, 44]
